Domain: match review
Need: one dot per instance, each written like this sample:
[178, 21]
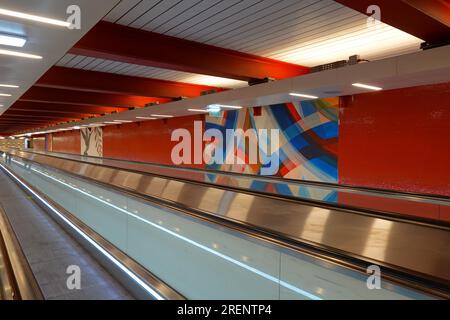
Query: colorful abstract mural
[309, 133]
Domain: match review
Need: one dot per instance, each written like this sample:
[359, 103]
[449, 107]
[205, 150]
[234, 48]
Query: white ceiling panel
[306, 32]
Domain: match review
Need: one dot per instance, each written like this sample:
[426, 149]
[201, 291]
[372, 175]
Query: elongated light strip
[161, 116]
[90, 240]
[19, 54]
[31, 17]
[301, 95]
[230, 107]
[146, 118]
[8, 86]
[192, 242]
[366, 86]
[198, 110]
[5, 95]
[12, 41]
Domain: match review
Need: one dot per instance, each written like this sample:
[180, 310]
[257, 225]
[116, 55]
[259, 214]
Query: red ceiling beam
[437, 9]
[60, 96]
[92, 81]
[38, 117]
[53, 113]
[425, 19]
[44, 106]
[121, 43]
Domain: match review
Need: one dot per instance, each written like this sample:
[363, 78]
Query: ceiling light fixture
[5, 95]
[301, 95]
[366, 86]
[31, 17]
[122, 121]
[198, 110]
[214, 108]
[230, 107]
[146, 118]
[12, 41]
[161, 116]
[8, 86]
[19, 54]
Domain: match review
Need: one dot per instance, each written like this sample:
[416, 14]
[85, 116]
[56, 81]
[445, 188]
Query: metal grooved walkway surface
[50, 251]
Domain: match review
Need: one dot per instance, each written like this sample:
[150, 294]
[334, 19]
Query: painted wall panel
[397, 139]
[66, 142]
[148, 141]
[39, 143]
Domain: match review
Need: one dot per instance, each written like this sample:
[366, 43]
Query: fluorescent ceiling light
[5, 95]
[146, 118]
[19, 54]
[8, 86]
[366, 86]
[161, 116]
[13, 41]
[77, 127]
[110, 122]
[301, 95]
[230, 107]
[124, 121]
[1, 105]
[31, 17]
[198, 110]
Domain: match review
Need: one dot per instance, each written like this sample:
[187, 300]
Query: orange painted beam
[121, 43]
[102, 82]
[53, 107]
[61, 97]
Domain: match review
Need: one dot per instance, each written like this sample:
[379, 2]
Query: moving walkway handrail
[19, 282]
[393, 193]
[322, 204]
[345, 257]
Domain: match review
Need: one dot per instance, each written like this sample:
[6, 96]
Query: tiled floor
[50, 251]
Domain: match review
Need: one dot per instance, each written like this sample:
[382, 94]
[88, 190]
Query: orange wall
[66, 142]
[397, 139]
[39, 143]
[147, 141]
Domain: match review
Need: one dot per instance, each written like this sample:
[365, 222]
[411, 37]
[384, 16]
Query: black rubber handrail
[317, 203]
[395, 193]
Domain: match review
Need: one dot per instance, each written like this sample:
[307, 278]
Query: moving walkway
[180, 238]
[36, 253]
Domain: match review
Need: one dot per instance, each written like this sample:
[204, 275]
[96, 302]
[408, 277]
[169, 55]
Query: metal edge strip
[23, 283]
